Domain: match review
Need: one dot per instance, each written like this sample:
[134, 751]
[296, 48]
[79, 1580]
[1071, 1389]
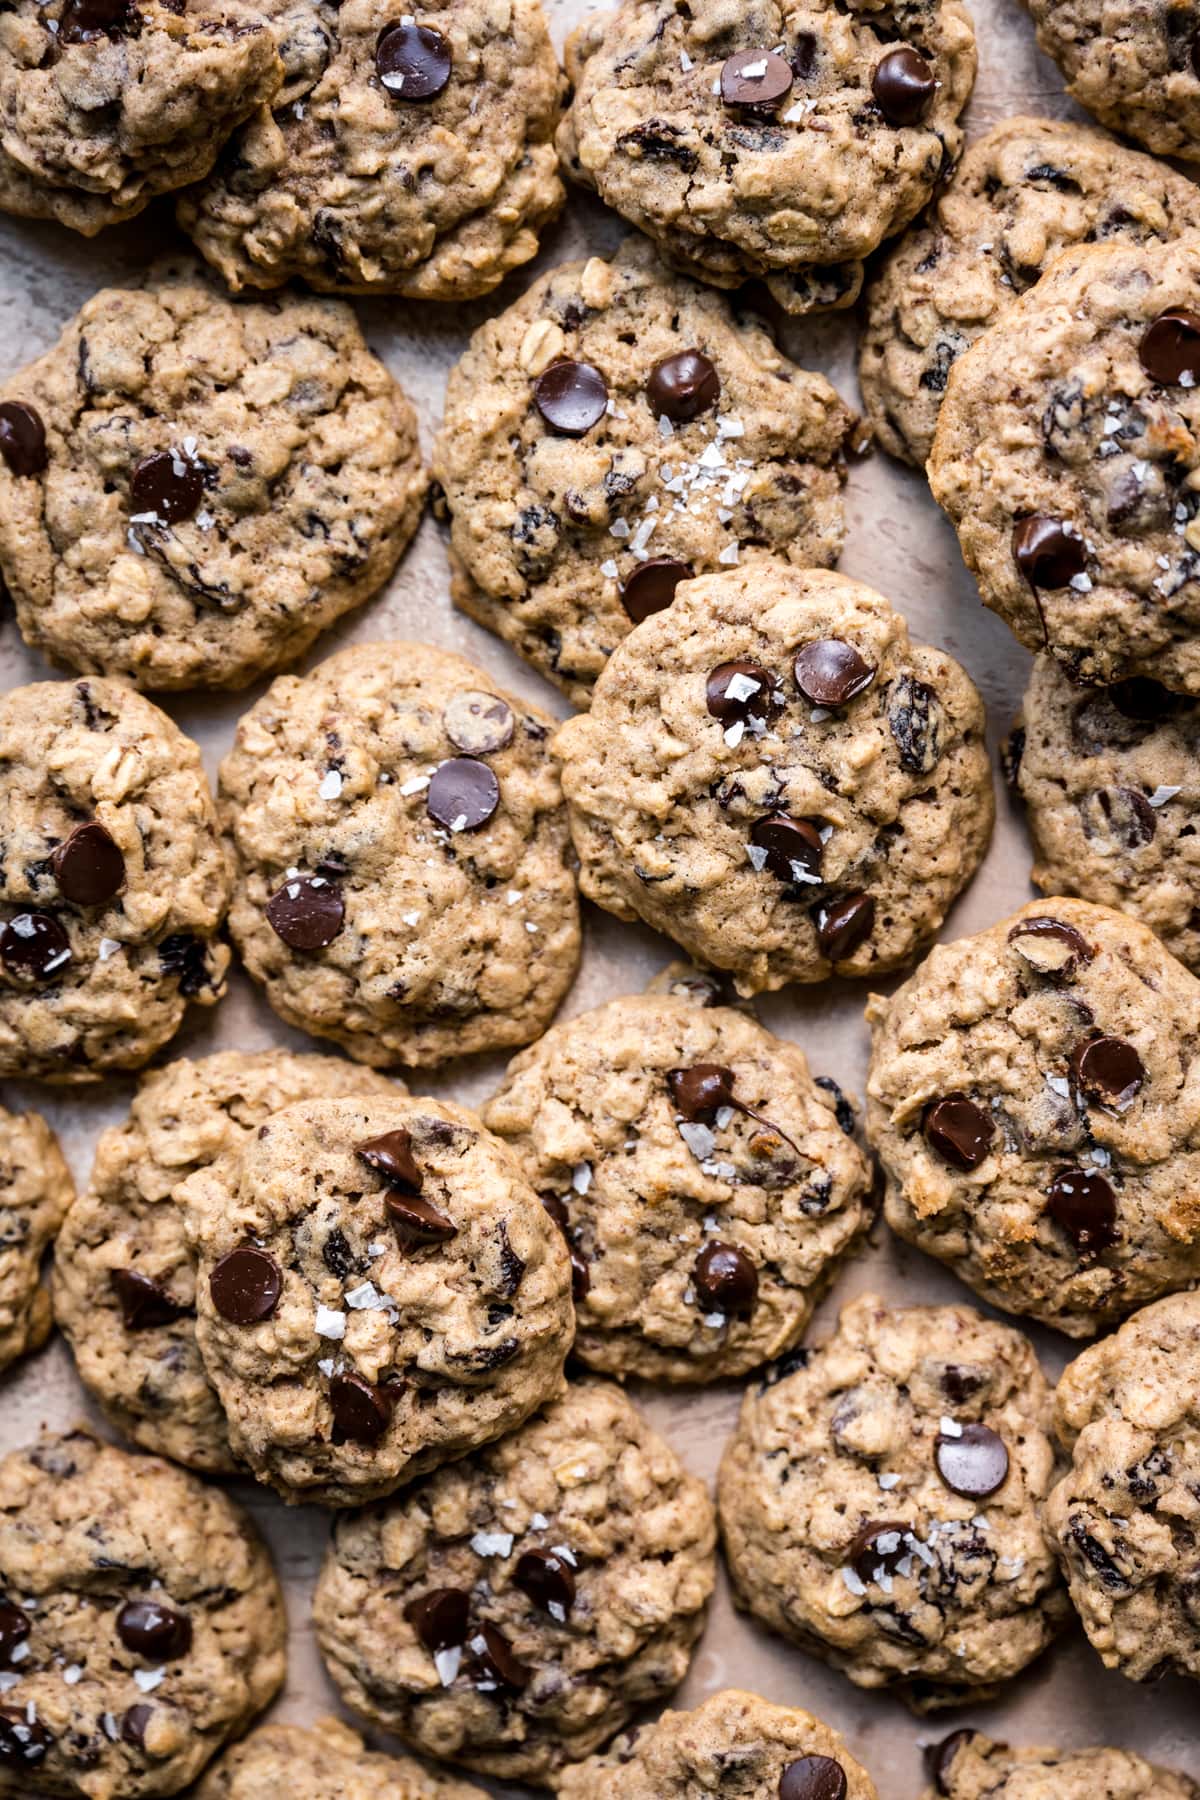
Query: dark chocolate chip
[581, 1277]
[1144, 700]
[1123, 814]
[82, 20]
[683, 386]
[134, 1722]
[1048, 553]
[700, 1091]
[361, 1412]
[940, 1758]
[154, 1631]
[34, 946]
[1170, 348]
[307, 912]
[1083, 1203]
[14, 1629]
[959, 1131]
[440, 1618]
[831, 672]
[1051, 946]
[23, 1741]
[417, 1222]
[651, 587]
[168, 484]
[844, 925]
[548, 1579]
[391, 1156]
[478, 723]
[974, 1464]
[493, 1662]
[726, 1280]
[463, 794]
[1109, 1071]
[246, 1284]
[88, 866]
[413, 61]
[878, 1548]
[144, 1303]
[793, 847]
[813, 1778]
[755, 693]
[571, 397]
[755, 80]
[22, 438]
[903, 85]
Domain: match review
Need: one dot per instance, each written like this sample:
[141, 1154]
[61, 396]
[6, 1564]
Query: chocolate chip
[23, 1741]
[683, 386]
[22, 438]
[417, 1222]
[412, 61]
[307, 912]
[88, 866]
[14, 1629]
[167, 484]
[571, 397]
[755, 80]
[974, 1464]
[1170, 347]
[493, 1662]
[548, 1579]
[793, 847]
[440, 1617]
[844, 925]
[1084, 1204]
[133, 1724]
[878, 1548]
[478, 723]
[1050, 946]
[361, 1413]
[144, 1303]
[701, 1091]
[1122, 814]
[959, 1131]
[34, 946]
[813, 1778]
[903, 85]
[742, 690]
[1144, 700]
[651, 587]
[940, 1758]
[391, 1156]
[154, 1631]
[1048, 553]
[831, 672]
[82, 20]
[246, 1284]
[726, 1280]
[463, 794]
[581, 1277]
[1109, 1071]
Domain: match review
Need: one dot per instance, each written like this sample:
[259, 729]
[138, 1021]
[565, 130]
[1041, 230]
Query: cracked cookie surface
[319, 1762]
[35, 1191]
[969, 1766]
[1134, 63]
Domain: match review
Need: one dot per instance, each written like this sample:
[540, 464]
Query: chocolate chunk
[1144, 700]
[463, 794]
[493, 1663]
[755, 81]
[726, 1280]
[133, 1724]
[903, 85]
[959, 1131]
[82, 20]
[167, 484]
[651, 587]
[34, 946]
[307, 912]
[878, 1548]
[742, 690]
[916, 721]
[246, 1284]
[1109, 1071]
[154, 1631]
[1170, 347]
[683, 386]
[831, 672]
[391, 1156]
[14, 1629]
[974, 1464]
[793, 847]
[1122, 814]
[1083, 1203]
[412, 61]
[813, 1778]
[581, 1277]
[417, 1222]
[1052, 947]
[844, 925]
[361, 1412]
[440, 1618]
[940, 1758]
[1048, 553]
[88, 866]
[548, 1579]
[23, 1741]
[22, 438]
[478, 723]
[144, 1303]
[571, 397]
[700, 1092]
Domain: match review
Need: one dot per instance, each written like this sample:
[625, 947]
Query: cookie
[318, 1762]
[1023, 192]
[617, 430]
[35, 1191]
[880, 1502]
[1065, 454]
[776, 777]
[404, 879]
[1134, 63]
[768, 140]
[377, 1291]
[124, 1276]
[402, 157]
[968, 1766]
[1123, 1518]
[1029, 1099]
[141, 1624]
[1110, 778]
[104, 104]
[768, 1753]
[113, 877]
[191, 491]
[514, 1610]
[705, 1182]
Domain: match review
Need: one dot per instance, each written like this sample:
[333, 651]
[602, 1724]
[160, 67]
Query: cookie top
[968, 1766]
[315, 1762]
[1030, 1099]
[1064, 454]
[402, 157]
[124, 1274]
[104, 106]
[778, 1752]
[1110, 778]
[190, 491]
[1134, 63]
[35, 1191]
[515, 1609]
[773, 775]
[141, 1623]
[404, 880]
[377, 1291]
[615, 431]
[768, 139]
[113, 877]
[1122, 1518]
[1024, 191]
[704, 1180]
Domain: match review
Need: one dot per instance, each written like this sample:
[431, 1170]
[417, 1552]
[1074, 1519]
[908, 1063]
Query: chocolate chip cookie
[705, 1182]
[1023, 192]
[1134, 63]
[1030, 1100]
[404, 880]
[780, 139]
[377, 1291]
[190, 491]
[35, 1191]
[404, 155]
[968, 1766]
[1123, 1518]
[141, 1622]
[775, 776]
[1067, 456]
[615, 432]
[880, 1502]
[514, 1610]
[124, 1275]
[768, 1752]
[1110, 778]
[113, 878]
[321, 1762]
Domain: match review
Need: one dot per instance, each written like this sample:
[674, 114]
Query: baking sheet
[899, 542]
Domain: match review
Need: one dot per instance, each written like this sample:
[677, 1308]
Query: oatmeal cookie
[35, 1191]
[324, 1761]
[1134, 63]
[968, 1766]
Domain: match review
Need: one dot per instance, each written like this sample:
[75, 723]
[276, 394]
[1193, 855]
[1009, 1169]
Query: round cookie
[1024, 191]
[778, 1753]
[1134, 63]
[104, 106]
[35, 1191]
[377, 1291]
[404, 156]
[1067, 455]
[124, 1275]
[769, 140]
[404, 880]
[319, 1762]
[880, 1502]
[114, 881]
[773, 775]
[1030, 1098]
[1123, 1517]
[191, 491]
[615, 430]
[1110, 778]
[706, 1186]
[142, 1622]
[515, 1609]
[968, 1766]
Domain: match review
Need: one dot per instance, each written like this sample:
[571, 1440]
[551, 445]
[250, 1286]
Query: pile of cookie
[285, 1266]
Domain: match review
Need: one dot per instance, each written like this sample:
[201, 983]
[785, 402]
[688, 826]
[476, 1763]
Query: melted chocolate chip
[726, 1280]
[246, 1284]
[23, 1742]
[463, 794]
[22, 438]
[478, 723]
[973, 1464]
[1048, 553]
[844, 925]
[959, 1131]
[683, 386]
[417, 1222]
[413, 61]
[154, 1631]
[813, 1778]
[391, 1156]
[88, 866]
[133, 1724]
[940, 1758]
[831, 672]
[571, 397]
[82, 20]
[651, 587]
[701, 1091]
[903, 85]
[793, 847]
[878, 1548]
[1143, 700]
[167, 484]
[755, 81]
[144, 1303]
[548, 1579]
[34, 946]
[440, 1618]
[581, 1278]
[1170, 347]
[1052, 947]
[14, 1629]
[1109, 1071]
[494, 1663]
[307, 912]
[361, 1413]
[742, 690]
[1083, 1203]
